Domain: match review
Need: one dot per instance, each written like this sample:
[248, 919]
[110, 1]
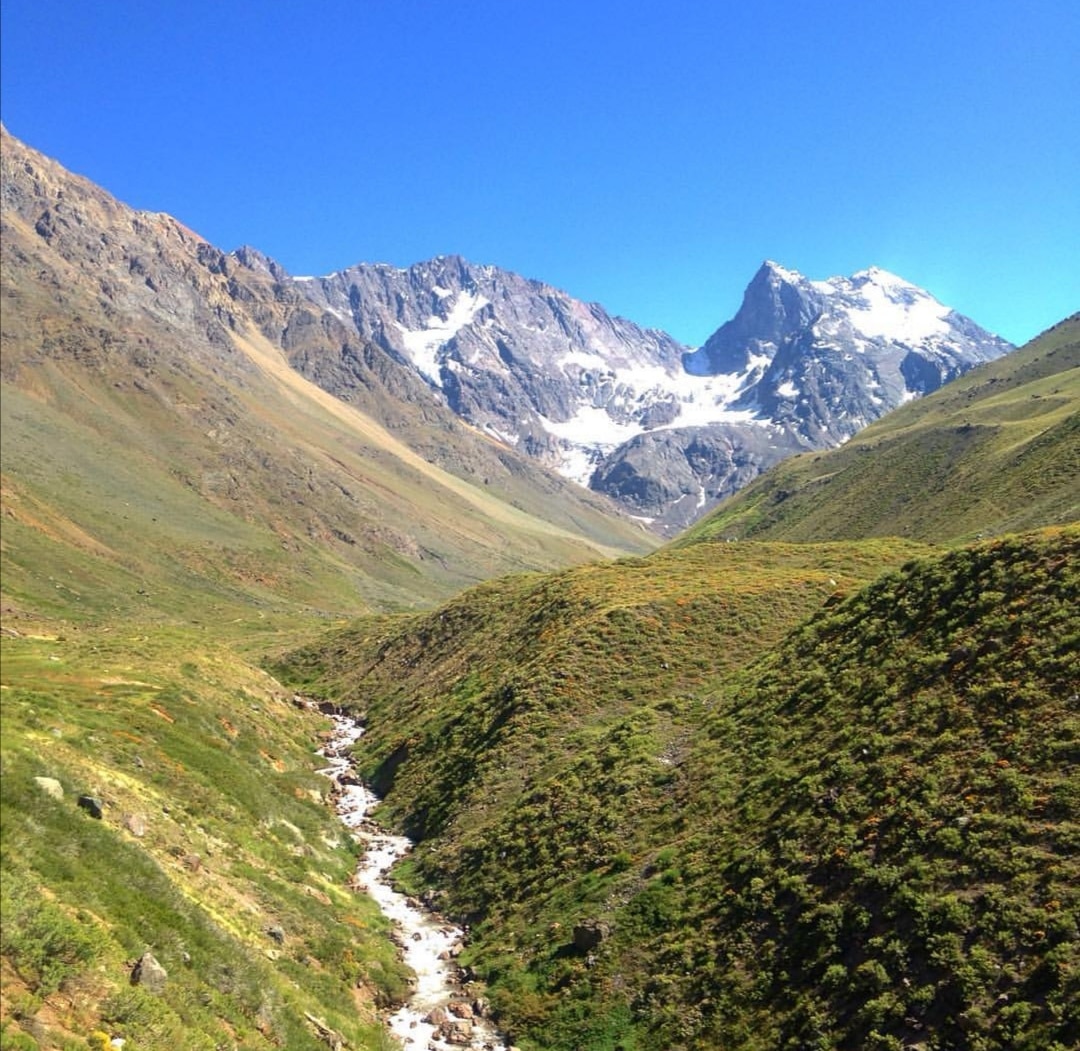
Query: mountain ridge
[664, 429]
[126, 336]
[947, 467]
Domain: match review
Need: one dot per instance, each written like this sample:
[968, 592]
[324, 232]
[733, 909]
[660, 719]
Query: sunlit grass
[217, 766]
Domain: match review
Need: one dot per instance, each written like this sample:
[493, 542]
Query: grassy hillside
[886, 811]
[997, 450]
[466, 704]
[215, 831]
[672, 828]
[533, 731]
[178, 500]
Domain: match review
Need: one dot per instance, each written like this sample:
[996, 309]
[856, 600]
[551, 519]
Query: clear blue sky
[647, 154]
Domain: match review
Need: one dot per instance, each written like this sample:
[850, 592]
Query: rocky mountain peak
[253, 259]
[777, 303]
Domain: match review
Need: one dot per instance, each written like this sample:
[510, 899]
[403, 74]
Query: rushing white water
[429, 944]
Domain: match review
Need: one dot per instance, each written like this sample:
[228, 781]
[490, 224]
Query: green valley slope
[813, 794]
[178, 499]
[216, 850]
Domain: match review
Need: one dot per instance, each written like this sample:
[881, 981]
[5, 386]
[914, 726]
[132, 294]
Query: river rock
[458, 1032]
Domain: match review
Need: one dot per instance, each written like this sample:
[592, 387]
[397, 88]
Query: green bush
[46, 944]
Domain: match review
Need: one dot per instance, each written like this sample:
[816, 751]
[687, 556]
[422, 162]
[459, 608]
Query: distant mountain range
[663, 429]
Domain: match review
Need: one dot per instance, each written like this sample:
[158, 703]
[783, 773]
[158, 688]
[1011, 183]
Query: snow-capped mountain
[665, 429]
[826, 357]
[523, 361]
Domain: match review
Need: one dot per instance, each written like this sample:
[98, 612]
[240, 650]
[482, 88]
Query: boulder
[149, 974]
[457, 1033]
[92, 805]
[51, 787]
[589, 934]
[135, 824]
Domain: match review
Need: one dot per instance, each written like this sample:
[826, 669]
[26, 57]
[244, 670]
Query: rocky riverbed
[440, 1014]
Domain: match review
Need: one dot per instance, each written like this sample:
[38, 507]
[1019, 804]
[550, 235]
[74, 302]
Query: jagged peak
[783, 273]
[254, 259]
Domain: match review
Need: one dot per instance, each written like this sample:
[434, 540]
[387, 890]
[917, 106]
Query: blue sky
[648, 155]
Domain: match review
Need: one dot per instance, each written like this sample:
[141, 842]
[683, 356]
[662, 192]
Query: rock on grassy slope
[214, 850]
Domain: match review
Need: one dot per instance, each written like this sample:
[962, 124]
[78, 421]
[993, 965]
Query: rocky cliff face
[518, 359]
[664, 429]
[824, 358]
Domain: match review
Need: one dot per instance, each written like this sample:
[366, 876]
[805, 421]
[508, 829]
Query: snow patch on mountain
[423, 345]
[890, 308]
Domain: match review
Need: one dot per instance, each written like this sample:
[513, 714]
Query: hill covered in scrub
[853, 829]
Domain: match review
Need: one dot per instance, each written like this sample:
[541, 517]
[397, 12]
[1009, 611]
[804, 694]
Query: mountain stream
[439, 1015]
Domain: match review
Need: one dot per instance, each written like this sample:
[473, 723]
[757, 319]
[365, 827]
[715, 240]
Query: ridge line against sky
[647, 156]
